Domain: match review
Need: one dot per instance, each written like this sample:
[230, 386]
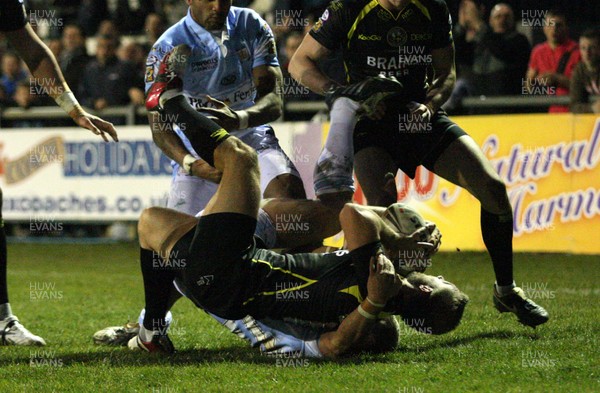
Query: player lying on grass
[169, 79]
[294, 336]
[226, 274]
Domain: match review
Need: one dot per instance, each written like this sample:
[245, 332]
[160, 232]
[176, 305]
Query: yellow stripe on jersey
[354, 291]
[307, 281]
[363, 13]
[347, 72]
[421, 8]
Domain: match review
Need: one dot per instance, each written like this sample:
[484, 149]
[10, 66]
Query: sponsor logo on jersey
[336, 5]
[372, 37]
[204, 65]
[421, 37]
[384, 15]
[325, 15]
[243, 95]
[407, 14]
[397, 36]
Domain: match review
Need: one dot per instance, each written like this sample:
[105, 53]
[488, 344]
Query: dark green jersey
[376, 41]
[311, 287]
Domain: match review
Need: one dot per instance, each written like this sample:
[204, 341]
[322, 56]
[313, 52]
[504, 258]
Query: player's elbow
[298, 64]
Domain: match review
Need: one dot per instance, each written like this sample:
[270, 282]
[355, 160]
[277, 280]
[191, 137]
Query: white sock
[339, 141]
[145, 334]
[505, 289]
[5, 311]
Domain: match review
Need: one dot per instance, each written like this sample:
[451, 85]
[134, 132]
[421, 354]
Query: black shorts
[408, 146]
[219, 274]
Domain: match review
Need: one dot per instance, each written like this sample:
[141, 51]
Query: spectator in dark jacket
[107, 81]
[501, 55]
[585, 81]
[74, 57]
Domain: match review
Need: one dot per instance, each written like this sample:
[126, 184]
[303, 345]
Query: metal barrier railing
[130, 112]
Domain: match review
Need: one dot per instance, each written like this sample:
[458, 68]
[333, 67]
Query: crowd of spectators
[101, 46]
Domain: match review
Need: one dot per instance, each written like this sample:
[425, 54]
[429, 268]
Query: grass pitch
[67, 292]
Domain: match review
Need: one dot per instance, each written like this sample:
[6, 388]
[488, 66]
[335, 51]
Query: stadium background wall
[550, 163]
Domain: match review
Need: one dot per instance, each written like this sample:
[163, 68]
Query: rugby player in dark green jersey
[215, 260]
[410, 40]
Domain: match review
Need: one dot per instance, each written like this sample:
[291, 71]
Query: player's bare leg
[239, 190]
[372, 164]
[475, 173]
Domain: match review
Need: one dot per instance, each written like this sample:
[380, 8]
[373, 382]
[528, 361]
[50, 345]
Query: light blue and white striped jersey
[221, 63]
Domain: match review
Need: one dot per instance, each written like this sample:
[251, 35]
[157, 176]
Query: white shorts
[190, 194]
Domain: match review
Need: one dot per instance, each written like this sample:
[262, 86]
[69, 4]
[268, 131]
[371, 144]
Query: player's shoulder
[246, 16]
[249, 21]
[244, 12]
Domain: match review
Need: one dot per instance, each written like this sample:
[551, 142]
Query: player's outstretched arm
[382, 285]
[45, 69]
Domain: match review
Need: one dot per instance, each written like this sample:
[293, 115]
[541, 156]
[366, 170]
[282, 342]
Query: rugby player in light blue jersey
[232, 75]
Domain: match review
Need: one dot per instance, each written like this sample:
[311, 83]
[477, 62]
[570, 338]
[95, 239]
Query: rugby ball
[403, 218]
